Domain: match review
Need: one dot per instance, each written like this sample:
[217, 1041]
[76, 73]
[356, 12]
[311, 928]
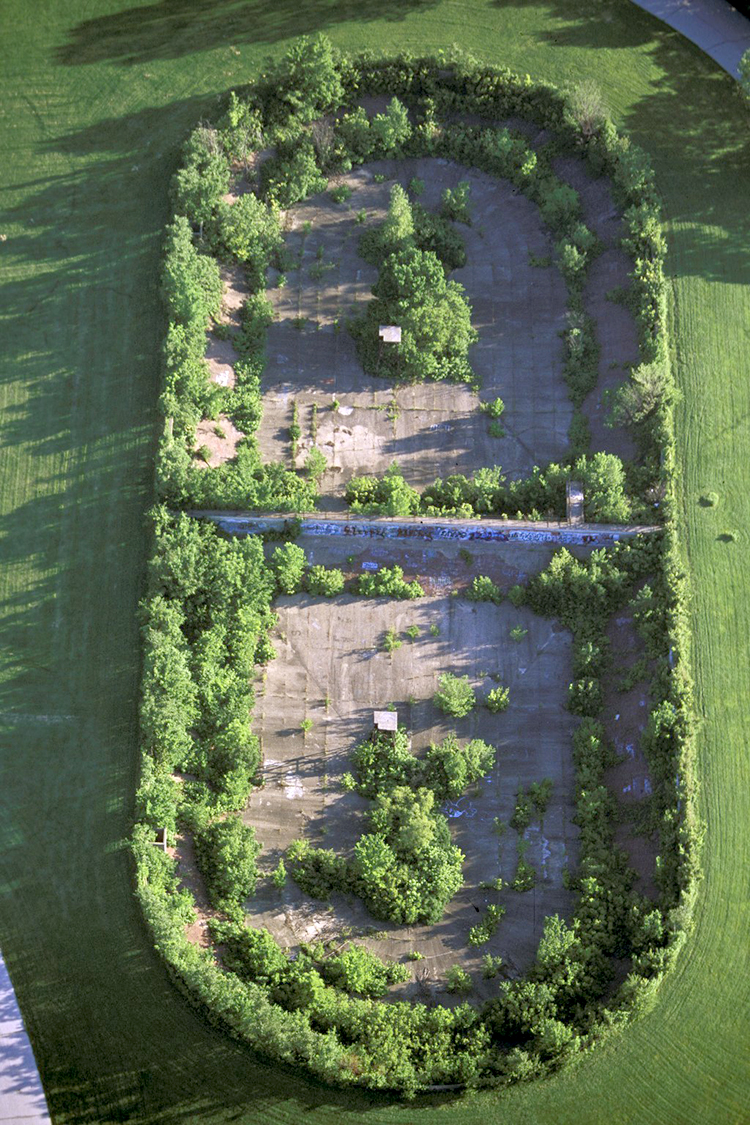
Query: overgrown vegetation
[207, 611]
[405, 867]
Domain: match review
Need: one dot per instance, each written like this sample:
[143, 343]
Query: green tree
[203, 177]
[450, 768]
[604, 488]
[226, 851]
[315, 464]
[307, 80]
[191, 282]
[358, 970]
[288, 564]
[249, 231]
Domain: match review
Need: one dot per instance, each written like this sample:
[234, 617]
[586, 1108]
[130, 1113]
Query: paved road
[713, 25]
[21, 1094]
[430, 528]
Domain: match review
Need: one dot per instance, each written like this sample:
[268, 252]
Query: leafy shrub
[491, 966]
[318, 871]
[585, 698]
[288, 563]
[325, 582]
[525, 877]
[406, 867]
[249, 231]
[388, 582]
[292, 174]
[458, 980]
[382, 762]
[494, 408]
[434, 234]
[521, 817]
[391, 641]
[203, 178]
[540, 793]
[412, 292]
[485, 929]
[604, 488]
[483, 589]
[497, 700]
[190, 280]
[358, 970]
[226, 852]
[389, 495]
[450, 769]
[455, 202]
[252, 954]
[341, 193]
[455, 695]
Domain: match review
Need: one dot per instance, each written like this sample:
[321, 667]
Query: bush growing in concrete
[483, 589]
[413, 293]
[324, 582]
[458, 980]
[497, 700]
[388, 495]
[485, 929]
[389, 582]
[449, 769]
[455, 695]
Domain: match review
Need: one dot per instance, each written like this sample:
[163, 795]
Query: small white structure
[390, 333]
[574, 501]
[386, 720]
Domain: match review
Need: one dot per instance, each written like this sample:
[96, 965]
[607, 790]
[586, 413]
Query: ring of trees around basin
[208, 613]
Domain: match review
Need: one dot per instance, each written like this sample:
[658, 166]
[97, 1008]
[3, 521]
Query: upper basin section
[434, 429]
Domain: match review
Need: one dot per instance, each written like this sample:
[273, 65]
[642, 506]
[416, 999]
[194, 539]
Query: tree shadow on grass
[602, 25]
[174, 28]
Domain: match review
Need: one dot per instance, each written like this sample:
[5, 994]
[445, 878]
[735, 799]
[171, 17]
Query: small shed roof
[390, 333]
[386, 720]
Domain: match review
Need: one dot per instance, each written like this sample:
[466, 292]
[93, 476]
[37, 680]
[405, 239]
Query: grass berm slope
[95, 98]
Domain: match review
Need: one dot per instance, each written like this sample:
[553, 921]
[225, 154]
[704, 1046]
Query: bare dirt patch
[220, 352]
[220, 437]
[190, 879]
[221, 358]
[331, 668]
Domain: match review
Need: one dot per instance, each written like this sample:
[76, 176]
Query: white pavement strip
[21, 1094]
[713, 25]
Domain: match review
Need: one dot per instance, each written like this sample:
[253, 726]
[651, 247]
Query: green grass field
[95, 100]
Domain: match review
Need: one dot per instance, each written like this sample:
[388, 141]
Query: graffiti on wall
[395, 530]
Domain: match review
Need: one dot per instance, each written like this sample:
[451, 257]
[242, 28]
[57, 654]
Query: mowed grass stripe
[115, 1041]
